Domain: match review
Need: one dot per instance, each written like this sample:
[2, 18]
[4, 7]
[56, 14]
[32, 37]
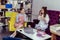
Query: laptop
[28, 30]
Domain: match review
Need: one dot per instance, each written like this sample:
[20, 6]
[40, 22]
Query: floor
[4, 33]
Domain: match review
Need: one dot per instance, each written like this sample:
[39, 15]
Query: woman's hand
[20, 26]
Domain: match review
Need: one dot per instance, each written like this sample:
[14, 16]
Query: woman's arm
[25, 18]
[47, 18]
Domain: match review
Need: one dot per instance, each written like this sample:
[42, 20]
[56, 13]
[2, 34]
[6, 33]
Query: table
[33, 36]
[54, 30]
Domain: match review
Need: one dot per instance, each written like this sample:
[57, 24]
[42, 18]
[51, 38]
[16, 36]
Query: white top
[34, 36]
[20, 14]
[43, 24]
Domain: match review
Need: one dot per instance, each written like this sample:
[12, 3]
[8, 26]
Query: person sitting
[20, 19]
[44, 19]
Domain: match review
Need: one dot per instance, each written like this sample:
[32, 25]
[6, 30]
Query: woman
[44, 19]
[20, 19]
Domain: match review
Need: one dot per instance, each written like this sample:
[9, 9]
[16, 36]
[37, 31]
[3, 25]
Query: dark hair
[13, 9]
[19, 10]
[45, 11]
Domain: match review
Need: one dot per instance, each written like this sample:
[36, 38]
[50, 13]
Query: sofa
[54, 17]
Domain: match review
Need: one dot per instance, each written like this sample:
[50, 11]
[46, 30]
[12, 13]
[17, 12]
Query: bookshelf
[28, 6]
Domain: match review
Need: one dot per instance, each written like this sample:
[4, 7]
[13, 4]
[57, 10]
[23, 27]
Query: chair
[10, 38]
[12, 21]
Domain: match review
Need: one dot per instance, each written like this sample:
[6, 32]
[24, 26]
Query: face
[22, 11]
[42, 11]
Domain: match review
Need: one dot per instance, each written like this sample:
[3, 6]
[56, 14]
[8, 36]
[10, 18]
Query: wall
[51, 5]
[35, 8]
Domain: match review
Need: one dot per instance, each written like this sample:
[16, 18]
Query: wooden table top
[55, 29]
